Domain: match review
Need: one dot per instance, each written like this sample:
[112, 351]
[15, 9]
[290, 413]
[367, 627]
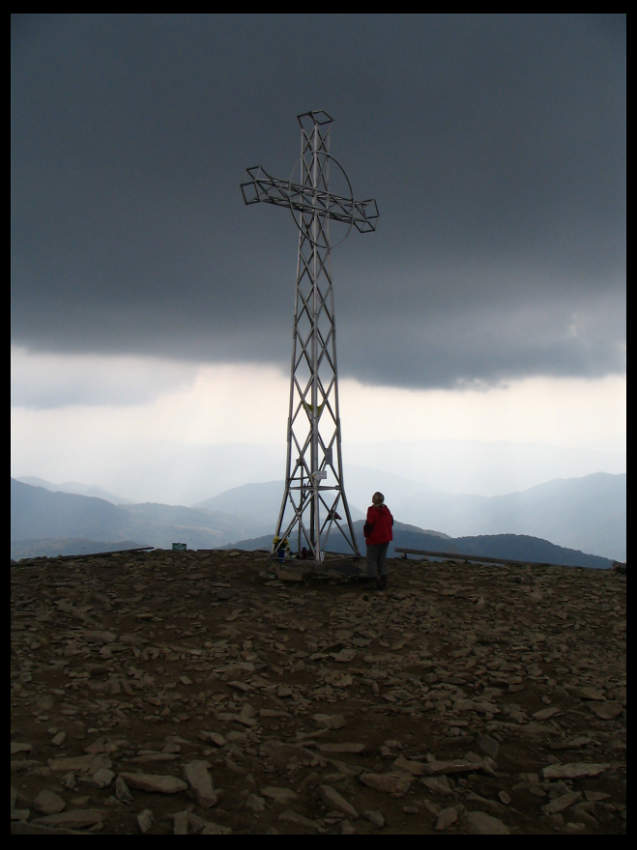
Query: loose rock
[48, 803]
[480, 823]
[575, 770]
[260, 678]
[196, 773]
[333, 798]
[154, 782]
[396, 784]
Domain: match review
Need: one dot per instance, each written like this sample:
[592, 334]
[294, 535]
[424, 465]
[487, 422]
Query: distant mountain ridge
[39, 514]
[586, 513]
[51, 548]
[249, 512]
[516, 547]
[75, 487]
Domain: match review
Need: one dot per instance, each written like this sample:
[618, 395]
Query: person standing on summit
[378, 533]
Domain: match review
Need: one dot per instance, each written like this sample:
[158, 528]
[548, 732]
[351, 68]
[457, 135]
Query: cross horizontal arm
[306, 199]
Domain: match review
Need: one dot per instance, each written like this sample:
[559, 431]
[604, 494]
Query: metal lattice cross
[314, 492]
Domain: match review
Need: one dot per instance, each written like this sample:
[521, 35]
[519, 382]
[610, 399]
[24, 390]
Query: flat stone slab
[154, 782]
[83, 764]
[345, 747]
[574, 770]
[279, 795]
[48, 802]
[196, 773]
[73, 818]
[334, 798]
[389, 783]
[481, 823]
[434, 768]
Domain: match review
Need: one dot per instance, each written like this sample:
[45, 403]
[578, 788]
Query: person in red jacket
[378, 533]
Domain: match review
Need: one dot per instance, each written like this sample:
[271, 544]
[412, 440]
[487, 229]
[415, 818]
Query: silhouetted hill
[51, 548]
[517, 547]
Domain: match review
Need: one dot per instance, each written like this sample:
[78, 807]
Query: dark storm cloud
[495, 146]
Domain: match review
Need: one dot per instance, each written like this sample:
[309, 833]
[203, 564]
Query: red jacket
[381, 520]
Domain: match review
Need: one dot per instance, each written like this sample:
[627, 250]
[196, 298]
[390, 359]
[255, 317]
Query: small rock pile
[208, 692]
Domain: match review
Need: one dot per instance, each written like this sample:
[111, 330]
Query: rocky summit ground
[209, 692]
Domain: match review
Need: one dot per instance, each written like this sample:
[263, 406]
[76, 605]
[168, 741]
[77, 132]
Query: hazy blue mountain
[74, 487]
[163, 525]
[258, 504]
[40, 513]
[585, 514]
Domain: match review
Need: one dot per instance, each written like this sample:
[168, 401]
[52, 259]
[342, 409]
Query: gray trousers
[376, 559]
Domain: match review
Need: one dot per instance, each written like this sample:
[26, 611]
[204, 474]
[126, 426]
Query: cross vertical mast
[314, 494]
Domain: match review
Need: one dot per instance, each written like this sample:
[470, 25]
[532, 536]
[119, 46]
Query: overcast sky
[495, 146]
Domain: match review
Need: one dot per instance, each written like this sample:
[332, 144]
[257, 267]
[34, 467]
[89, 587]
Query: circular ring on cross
[327, 207]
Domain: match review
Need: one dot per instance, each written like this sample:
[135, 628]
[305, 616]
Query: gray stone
[329, 721]
[545, 713]
[375, 817]
[122, 791]
[606, 710]
[74, 818]
[84, 764]
[344, 747]
[454, 766]
[480, 823]
[333, 798]
[215, 829]
[575, 770]
[396, 784]
[214, 738]
[446, 817]
[196, 772]
[437, 784]
[180, 823]
[100, 636]
[154, 782]
[255, 803]
[145, 819]
[102, 777]
[48, 803]
[488, 745]
[291, 816]
[279, 795]
[558, 804]
[587, 692]
[403, 765]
